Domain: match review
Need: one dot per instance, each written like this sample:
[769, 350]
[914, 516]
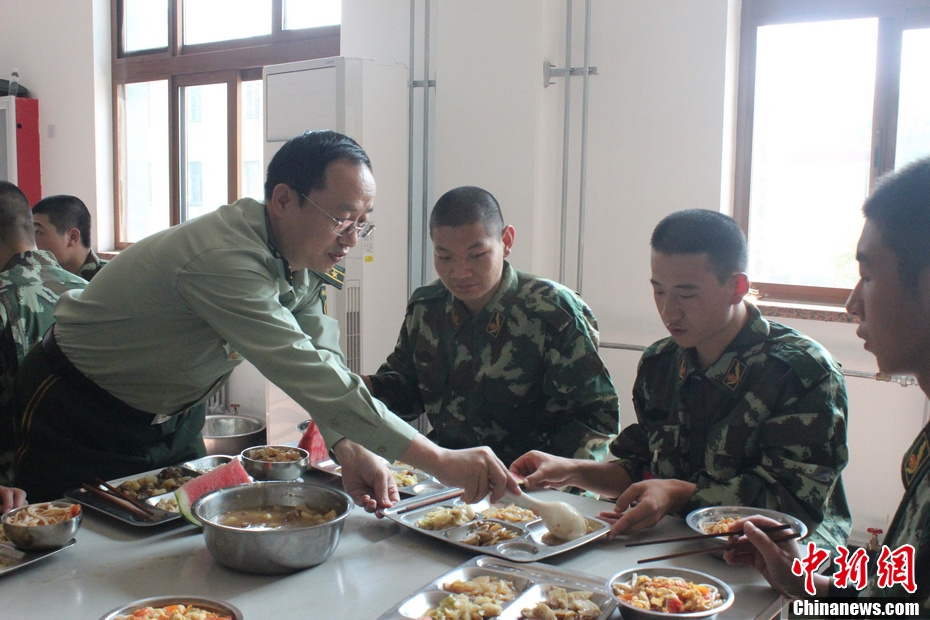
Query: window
[831, 96]
[188, 100]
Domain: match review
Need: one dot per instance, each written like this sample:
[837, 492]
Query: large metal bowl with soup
[47, 525]
[273, 527]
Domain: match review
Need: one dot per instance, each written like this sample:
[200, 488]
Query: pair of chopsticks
[774, 528]
[119, 498]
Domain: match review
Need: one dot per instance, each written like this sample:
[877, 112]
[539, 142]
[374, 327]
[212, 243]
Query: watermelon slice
[226, 475]
[312, 442]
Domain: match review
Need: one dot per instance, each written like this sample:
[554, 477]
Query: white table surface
[377, 564]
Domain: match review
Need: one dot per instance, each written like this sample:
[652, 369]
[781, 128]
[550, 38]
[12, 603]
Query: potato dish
[667, 594]
[560, 604]
[404, 478]
[444, 517]
[166, 481]
[512, 513]
[275, 454]
[721, 526]
[481, 597]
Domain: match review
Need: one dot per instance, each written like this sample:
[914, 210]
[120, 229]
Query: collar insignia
[495, 324]
[455, 316]
[682, 368]
[915, 458]
[335, 276]
[734, 374]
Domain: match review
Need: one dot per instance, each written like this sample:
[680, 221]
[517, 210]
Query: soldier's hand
[543, 470]
[10, 498]
[653, 498]
[771, 556]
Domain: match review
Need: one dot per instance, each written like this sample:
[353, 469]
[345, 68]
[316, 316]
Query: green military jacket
[92, 265]
[764, 426]
[30, 284]
[521, 374]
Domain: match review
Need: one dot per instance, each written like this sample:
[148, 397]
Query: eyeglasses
[343, 227]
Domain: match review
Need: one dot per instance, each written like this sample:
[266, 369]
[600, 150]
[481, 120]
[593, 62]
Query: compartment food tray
[531, 581]
[531, 542]
[12, 558]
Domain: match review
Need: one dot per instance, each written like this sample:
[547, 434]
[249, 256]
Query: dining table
[377, 563]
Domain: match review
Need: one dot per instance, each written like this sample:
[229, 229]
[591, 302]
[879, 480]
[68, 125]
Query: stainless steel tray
[533, 582]
[531, 543]
[12, 558]
[113, 510]
[425, 484]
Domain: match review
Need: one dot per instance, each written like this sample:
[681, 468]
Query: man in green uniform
[161, 328]
[732, 409]
[62, 225]
[494, 356]
[892, 303]
[30, 283]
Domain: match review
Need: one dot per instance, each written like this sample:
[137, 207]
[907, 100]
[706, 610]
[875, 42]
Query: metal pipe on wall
[584, 140]
[566, 134]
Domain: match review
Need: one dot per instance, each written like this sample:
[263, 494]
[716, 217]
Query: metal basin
[272, 551]
[231, 434]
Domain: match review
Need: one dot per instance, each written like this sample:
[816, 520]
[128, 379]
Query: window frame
[894, 17]
[233, 62]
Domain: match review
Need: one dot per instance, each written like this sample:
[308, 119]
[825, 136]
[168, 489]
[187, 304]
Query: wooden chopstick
[709, 549]
[117, 501]
[122, 495]
[773, 528]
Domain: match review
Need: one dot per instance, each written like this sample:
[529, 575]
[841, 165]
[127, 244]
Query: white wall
[62, 50]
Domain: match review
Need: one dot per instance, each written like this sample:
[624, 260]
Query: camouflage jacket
[763, 426]
[92, 265]
[30, 284]
[911, 524]
[521, 374]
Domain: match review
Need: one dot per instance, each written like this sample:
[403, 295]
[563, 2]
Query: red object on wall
[28, 170]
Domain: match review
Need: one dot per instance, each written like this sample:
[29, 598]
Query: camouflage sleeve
[395, 384]
[579, 389]
[631, 447]
[800, 447]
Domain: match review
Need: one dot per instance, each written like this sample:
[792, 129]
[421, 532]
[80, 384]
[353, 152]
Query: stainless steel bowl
[207, 604]
[634, 613]
[207, 463]
[231, 434]
[272, 551]
[261, 469]
[39, 537]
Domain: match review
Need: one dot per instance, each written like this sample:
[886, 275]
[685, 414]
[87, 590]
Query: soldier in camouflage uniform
[493, 356]
[62, 225]
[892, 302]
[30, 283]
[732, 409]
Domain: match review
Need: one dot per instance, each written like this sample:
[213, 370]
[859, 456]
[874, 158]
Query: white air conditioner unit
[368, 101]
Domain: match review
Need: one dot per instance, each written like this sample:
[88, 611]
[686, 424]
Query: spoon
[563, 520]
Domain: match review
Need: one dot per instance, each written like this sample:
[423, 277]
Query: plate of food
[505, 531]
[154, 490]
[175, 607]
[718, 519]
[669, 592]
[487, 587]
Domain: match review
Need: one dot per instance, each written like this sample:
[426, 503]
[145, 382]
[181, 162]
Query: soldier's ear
[740, 287]
[507, 238]
[74, 236]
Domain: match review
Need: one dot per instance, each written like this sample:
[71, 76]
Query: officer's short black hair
[15, 215]
[65, 212]
[899, 206]
[302, 162]
[700, 231]
[467, 205]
